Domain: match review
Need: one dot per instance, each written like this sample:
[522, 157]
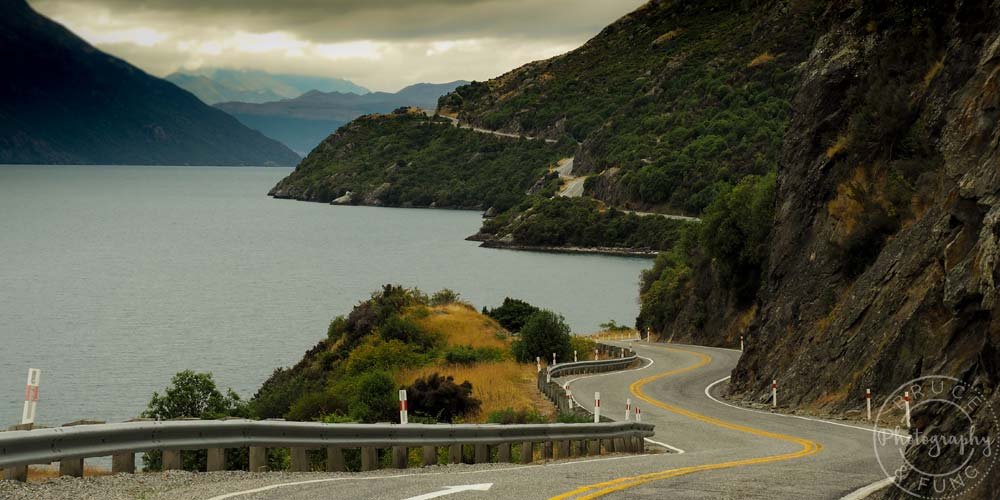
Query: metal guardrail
[596, 366]
[19, 448]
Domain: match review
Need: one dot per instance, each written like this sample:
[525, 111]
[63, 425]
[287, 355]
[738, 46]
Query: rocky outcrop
[884, 255]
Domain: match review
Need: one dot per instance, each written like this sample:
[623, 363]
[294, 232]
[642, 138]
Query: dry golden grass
[462, 325]
[666, 37]
[838, 146]
[46, 472]
[498, 385]
[760, 60]
[629, 334]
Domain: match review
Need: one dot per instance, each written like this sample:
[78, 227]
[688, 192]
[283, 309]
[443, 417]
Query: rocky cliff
[886, 241]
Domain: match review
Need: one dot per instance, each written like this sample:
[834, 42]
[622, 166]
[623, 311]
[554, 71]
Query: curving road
[728, 452]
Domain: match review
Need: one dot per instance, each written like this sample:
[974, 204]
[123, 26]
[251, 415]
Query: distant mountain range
[301, 123]
[215, 85]
[64, 101]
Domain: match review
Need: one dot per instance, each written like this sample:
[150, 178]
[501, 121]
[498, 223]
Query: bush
[613, 326]
[510, 416]
[512, 313]
[192, 395]
[544, 333]
[573, 418]
[443, 297]
[404, 330]
[373, 397]
[439, 397]
[467, 355]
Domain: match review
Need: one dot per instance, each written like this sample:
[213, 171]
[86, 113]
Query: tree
[544, 333]
[194, 395]
[512, 313]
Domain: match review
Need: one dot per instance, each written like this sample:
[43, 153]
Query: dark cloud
[506, 32]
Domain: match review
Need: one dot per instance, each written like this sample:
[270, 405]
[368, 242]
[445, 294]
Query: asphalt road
[729, 452]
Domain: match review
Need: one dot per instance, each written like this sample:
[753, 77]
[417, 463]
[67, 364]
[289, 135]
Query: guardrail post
[335, 460]
[527, 453]
[71, 467]
[16, 473]
[563, 449]
[216, 459]
[123, 463]
[171, 459]
[430, 455]
[482, 454]
[455, 454]
[369, 458]
[609, 445]
[400, 457]
[619, 445]
[594, 447]
[503, 453]
[300, 462]
[547, 450]
[258, 459]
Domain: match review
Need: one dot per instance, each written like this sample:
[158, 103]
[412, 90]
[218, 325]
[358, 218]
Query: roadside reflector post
[31, 396]
[638, 414]
[741, 343]
[538, 363]
[623, 353]
[574, 356]
[597, 354]
[569, 398]
[868, 403]
[906, 408]
[774, 393]
[553, 359]
[404, 417]
[628, 408]
[597, 407]
[548, 375]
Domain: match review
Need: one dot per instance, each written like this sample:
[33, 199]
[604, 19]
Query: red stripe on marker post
[597, 407]
[404, 417]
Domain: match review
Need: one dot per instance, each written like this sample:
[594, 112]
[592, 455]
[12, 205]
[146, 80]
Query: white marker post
[404, 417]
[553, 359]
[31, 396]
[638, 414]
[597, 354]
[623, 353]
[774, 393]
[574, 356]
[741, 343]
[906, 408]
[868, 403]
[597, 407]
[628, 408]
[538, 363]
[569, 398]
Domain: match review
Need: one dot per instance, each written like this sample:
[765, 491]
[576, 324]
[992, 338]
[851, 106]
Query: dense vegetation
[512, 313]
[408, 159]
[732, 238]
[581, 222]
[676, 98]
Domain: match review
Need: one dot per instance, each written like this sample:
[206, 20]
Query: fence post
[430, 455]
[258, 459]
[216, 460]
[335, 460]
[527, 453]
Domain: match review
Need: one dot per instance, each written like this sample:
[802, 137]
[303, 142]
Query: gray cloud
[384, 44]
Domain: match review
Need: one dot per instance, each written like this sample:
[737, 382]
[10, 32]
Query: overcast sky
[381, 44]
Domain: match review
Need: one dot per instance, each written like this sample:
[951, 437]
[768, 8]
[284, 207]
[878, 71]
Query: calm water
[114, 278]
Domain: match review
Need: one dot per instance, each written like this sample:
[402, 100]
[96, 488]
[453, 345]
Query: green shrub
[544, 333]
[510, 416]
[467, 355]
[396, 327]
[511, 314]
[443, 297]
[573, 418]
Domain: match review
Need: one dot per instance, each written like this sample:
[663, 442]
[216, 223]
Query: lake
[112, 279]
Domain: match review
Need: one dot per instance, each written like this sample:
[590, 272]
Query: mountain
[215, 85]
[302, 122]
[63, 101]
[842, 158]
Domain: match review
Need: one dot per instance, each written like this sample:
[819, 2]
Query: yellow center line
[600, 489]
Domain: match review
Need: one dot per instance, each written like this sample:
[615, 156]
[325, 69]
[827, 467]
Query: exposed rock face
[926, 302]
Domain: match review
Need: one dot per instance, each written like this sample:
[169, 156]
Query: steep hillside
[672, 103]
[63, 101]
[215, 85]
[409, 159]
[303, 122]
